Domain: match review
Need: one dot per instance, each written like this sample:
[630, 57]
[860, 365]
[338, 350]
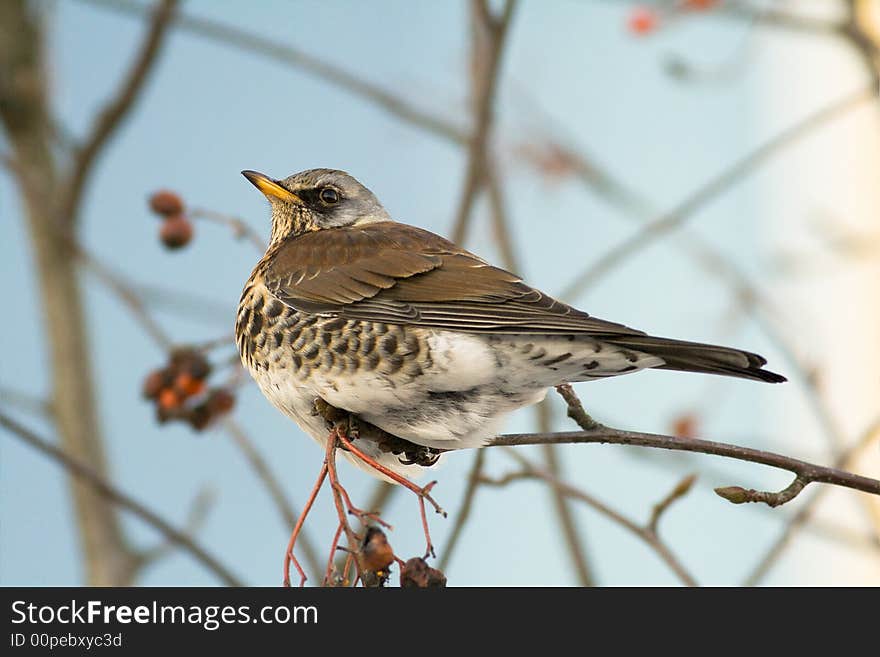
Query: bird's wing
[390, 272]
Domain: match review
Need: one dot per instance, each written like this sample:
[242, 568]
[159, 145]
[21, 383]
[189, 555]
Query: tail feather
[697, 357]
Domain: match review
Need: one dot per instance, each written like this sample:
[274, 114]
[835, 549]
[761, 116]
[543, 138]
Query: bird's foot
[408, 453]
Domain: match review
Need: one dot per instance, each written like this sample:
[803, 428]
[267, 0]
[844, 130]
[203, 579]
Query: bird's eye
[329, 196]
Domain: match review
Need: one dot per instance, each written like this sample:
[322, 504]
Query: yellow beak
[270, 187]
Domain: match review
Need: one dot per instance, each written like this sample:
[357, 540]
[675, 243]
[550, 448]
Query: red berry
[153, 384]
[186, 385]
[176, 231]
[220, 401]
[166, 203]
[699, 5]
[643, 20]
[199, 417]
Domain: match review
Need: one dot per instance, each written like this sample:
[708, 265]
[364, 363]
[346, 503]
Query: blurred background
[544, 136]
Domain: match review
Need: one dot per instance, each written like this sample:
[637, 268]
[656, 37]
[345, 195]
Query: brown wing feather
[392, 272]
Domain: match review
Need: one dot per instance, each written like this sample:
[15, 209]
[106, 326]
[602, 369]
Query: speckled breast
[272, 335]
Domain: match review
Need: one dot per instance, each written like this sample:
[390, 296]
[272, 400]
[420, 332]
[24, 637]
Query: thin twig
[240, 228]
[489, 37]
[289, 555]
[561, 504]
[115, 495]
[114, 113]
[354, 83]
[680, 490]
[500, 221]
[126, 293]
[806, 472]
[26, 402]
[200, 507]
[273, 487]
[676, 217]
[337, 490]
[800, 519]
[464, 511]
[645, 533]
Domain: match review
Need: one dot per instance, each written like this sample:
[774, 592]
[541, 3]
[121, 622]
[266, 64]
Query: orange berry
[699, 5]
[186, 385]
[643, 20]
[168, 399]
[166, 203]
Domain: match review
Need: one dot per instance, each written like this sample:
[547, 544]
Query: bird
[412, 334]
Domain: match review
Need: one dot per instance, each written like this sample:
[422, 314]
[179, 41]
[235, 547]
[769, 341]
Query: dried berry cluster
[416, 573]
[176, 230]
[180, 392]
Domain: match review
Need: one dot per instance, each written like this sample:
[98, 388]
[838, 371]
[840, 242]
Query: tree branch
[276, 492]
[488, 44]
[234, 37]
[803, 515]
[110, 492]
[115, 112]
[464, 511]
[676, 217]
[240, 228]
[646, 533]
[805, 472]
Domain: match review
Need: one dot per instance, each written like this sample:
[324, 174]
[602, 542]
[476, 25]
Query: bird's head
[316, 199]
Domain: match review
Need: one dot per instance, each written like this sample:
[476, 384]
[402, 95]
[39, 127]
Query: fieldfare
[410, 333]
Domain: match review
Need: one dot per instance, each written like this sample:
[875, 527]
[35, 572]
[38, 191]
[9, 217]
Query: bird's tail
[697, 357]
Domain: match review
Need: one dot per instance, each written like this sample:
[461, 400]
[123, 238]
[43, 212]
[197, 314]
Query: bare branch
[806, 472]
[273, 487]
[803, 515]
[234, 37]
[240, 228]
[198, 513]
[681, 489]
[116, 496]
[489, 37]
[561, 504]
[645, 533]
[676, 217]
[115, 112]
[464, 511]
[126, 294]
[500, 220]
[25, 401]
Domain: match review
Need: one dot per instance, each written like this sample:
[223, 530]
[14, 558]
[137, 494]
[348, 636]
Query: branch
[273, 486]
[115, 112]
[26, 402]
[464, 511]
[647, 533]
[576, 548]
[234, 37]
[489, 37]
[127, 295]
[804, 472]
[803, 515]
[198, 513]
[240, 228]
[686, 209]
[113, 494]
